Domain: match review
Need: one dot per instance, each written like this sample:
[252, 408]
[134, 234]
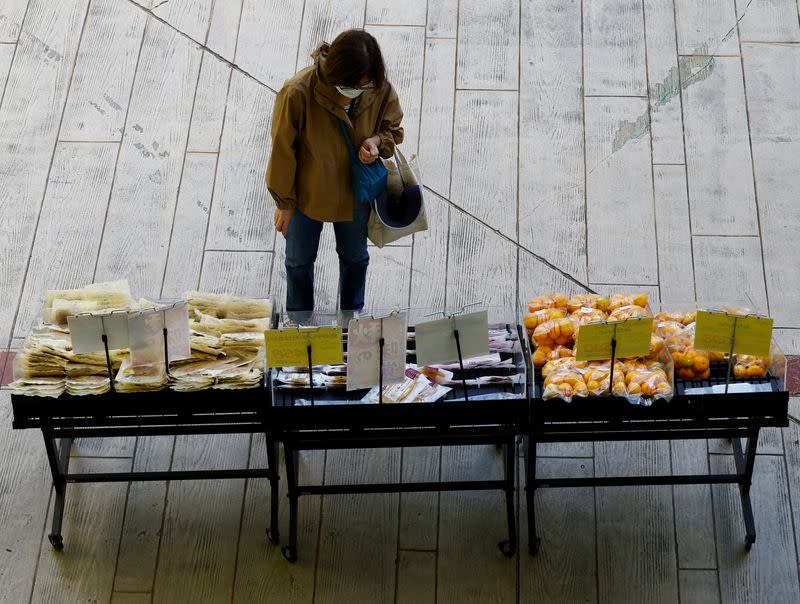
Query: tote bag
[403, 182]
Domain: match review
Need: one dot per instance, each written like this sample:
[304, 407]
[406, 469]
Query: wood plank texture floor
[565, 144]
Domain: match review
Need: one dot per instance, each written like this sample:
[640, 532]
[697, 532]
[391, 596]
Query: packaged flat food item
[534, 319]
[226, 306]
[750, 366]
[87, 384]
[548, 301]
[555, 332]
[619, 300]
[39, 386]
[594, 301]
[60, 303]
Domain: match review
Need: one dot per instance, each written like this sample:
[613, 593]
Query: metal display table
[732, 416]
[338, 421]
[164, 412]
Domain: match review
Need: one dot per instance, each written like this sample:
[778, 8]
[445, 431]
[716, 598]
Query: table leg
[509, 547]
[745, 461]
[272, 462]
[58, 461]
[529, 449]
[290, 456]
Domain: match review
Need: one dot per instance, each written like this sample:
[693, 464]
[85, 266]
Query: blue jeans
[302, 243]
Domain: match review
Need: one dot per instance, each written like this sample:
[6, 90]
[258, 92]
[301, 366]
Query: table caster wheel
[57, 541]
[508, 548]
[290, 553]
[533, 548]
[273, 536]
[748, 543]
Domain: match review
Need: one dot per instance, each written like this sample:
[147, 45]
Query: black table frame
[447, 423]
[147, 414]
[732, 416]
[354, 426]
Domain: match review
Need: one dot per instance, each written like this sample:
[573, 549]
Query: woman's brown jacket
[309, 167]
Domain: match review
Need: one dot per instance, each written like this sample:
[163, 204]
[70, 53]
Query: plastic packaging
[631, 311]
[668, 330]
[543, 354]
[619, 300]
[656, 345]
[691, 364]
[588, 315]
[648, 383]
[564, 385]
[555, 332]
[597, 377]
[678, 317]
[548, 301]
[534, 319]
[749, 366]
[595, 301]
[568, 364]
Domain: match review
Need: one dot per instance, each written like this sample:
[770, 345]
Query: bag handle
[347, 141]
[399, 169]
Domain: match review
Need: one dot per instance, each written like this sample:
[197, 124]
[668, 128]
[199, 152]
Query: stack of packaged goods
[227, 343]
[47, 364]
[226, 338]
[554, 321]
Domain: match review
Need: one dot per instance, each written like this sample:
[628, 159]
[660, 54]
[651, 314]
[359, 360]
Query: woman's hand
[368, 151]
[282, 218]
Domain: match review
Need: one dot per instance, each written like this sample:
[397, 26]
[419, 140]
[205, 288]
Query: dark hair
[352, 55]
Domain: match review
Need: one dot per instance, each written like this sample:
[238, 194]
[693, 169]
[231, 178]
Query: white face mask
[350, 93]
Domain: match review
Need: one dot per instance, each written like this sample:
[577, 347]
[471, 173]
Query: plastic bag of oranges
[548, 301]
[564, 364]
[554, 333]
[534, 319]
[564, 385]
[619, 300]
[656, 345]
[598, 374]
[585, 315]
[691, 364]
[631, 311]
[683, 318]
[749, 366]
[669, 330]
[647, 384]
[596, 301]
[543, 354]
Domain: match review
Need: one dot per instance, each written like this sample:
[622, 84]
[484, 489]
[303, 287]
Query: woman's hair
[351, 56]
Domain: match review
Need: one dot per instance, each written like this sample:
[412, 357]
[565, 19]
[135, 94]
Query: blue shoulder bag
[369, 180]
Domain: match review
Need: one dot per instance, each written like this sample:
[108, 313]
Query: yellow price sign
[594, 341]
[289, 347]
[633, 339]
[752, 335]
[713, 331]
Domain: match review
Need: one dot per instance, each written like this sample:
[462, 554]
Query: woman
[309, 169]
